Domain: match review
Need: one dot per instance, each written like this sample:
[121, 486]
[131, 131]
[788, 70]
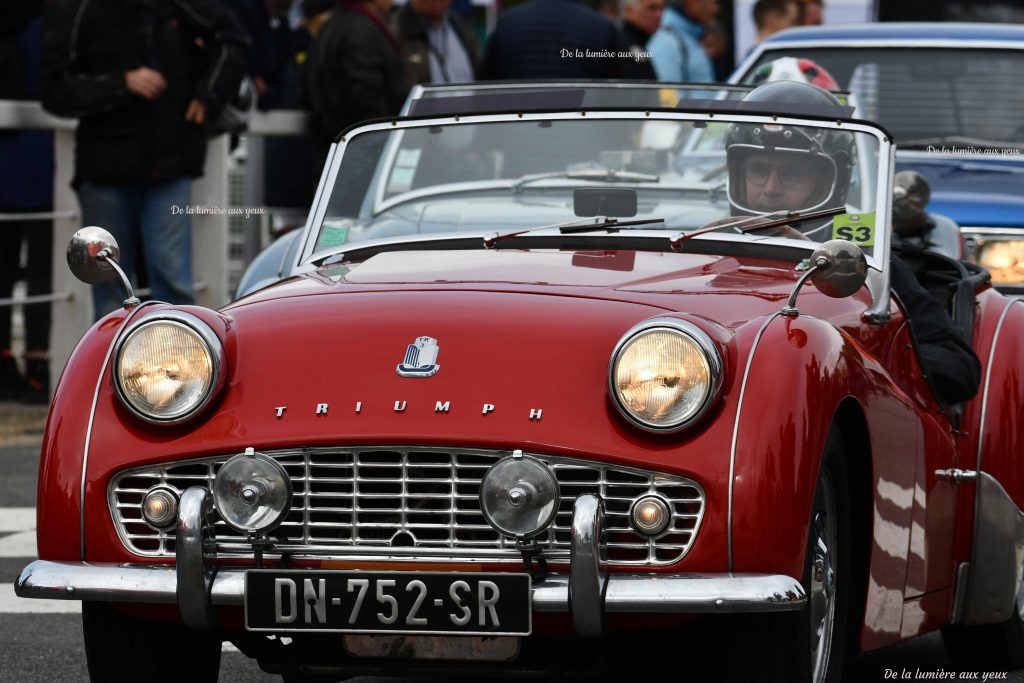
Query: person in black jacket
[640, 20]
[354, 70]
[26, 187]
[556, 39]
[143, 77]
[438, 46]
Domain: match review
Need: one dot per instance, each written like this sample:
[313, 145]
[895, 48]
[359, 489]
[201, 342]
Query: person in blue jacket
[676, 52]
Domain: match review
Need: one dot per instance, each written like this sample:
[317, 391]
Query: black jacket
[412, 32]
[946, 357]
[354, 71]
[89, 45]
[530, 40]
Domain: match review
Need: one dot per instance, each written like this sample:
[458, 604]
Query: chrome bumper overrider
[588, 593]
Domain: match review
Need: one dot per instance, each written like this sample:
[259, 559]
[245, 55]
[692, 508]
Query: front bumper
[586, 592]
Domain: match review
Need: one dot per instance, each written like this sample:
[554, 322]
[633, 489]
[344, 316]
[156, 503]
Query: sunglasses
[790, 175]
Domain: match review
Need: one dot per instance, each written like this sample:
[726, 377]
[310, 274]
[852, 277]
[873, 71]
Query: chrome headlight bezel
[695, 335]
[206, 335]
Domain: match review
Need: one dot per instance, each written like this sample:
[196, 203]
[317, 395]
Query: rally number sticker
[858, 228]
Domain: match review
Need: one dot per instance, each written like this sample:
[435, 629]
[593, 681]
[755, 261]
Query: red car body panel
[524, 331]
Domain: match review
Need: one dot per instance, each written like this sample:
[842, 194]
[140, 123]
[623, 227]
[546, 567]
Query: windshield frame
[307, 258]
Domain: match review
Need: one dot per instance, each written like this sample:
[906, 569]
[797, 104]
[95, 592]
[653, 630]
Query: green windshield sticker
[858, 228]
[333, 235]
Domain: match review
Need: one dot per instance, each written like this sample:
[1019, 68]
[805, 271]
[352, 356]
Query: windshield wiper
[599, 223]
[953, 140]
[784, 218]
[604, 175]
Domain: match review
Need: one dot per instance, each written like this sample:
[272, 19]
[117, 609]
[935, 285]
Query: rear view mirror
[604, 202]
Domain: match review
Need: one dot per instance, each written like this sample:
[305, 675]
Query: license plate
[387, 602]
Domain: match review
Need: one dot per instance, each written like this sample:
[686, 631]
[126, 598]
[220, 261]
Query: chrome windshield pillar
[586, 582]
[193, 580]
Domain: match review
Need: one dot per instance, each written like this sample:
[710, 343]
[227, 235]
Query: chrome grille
[407, 502]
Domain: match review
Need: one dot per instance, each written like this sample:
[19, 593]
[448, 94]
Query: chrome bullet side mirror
[92, 257]
[838, 269]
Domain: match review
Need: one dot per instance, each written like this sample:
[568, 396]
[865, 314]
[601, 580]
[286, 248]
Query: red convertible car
[548, 391]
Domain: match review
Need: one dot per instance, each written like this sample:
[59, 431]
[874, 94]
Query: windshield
[498, 173]
[929, 96]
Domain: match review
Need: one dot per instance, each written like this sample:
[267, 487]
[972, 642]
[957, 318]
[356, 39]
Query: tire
[808, 646]
[987, 646]
[120, 648]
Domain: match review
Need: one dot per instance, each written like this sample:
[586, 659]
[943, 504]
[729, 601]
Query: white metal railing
[71, 303]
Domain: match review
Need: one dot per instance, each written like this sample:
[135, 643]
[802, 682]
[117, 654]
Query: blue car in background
[952, 95]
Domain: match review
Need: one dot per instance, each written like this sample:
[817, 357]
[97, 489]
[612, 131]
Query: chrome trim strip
[963, 574]
[92, 417]
[693, 332]
[191, 578]
[988, 381]
[993, 233]
[626, 593]
[736, 430]
[586, 583]
[214, 345]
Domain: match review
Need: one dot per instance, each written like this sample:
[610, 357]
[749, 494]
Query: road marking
[12, 604]
[17, 519]
[19, 545]
[20, 523]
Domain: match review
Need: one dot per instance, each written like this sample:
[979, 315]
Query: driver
[775, 167]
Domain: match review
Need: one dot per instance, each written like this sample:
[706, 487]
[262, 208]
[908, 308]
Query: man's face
[702, 11]
[431, 10]
[784, 20]
[812, 14]
[279, 8]
[777, 182]
[645, 14]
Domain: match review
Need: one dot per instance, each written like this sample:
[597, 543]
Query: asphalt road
[46, 646]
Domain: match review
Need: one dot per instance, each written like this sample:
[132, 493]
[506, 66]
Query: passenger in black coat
[354, 70]
[542, 38]
[423, 56]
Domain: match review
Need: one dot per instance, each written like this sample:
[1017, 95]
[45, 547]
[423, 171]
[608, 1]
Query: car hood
[523, 340]
[725, 289]
[974, 193]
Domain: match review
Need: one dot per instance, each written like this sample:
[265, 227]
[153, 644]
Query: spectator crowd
[150, 80]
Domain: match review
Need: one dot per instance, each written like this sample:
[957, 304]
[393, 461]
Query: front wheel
[121, 648]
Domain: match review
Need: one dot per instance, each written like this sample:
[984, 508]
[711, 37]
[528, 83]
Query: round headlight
[664, 373]
[519, 496]
[252, 493]
[168, 368]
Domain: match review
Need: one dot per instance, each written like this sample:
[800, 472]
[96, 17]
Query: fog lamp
[252, 493]
[650, 515]
[160, 507]
[519, 496]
